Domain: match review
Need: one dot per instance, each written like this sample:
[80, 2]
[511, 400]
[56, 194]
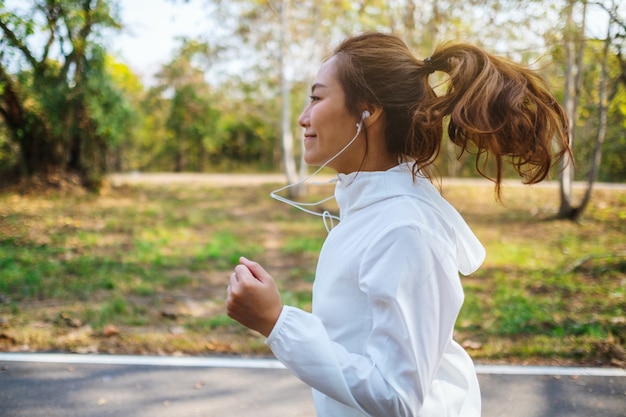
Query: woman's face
[328, 126]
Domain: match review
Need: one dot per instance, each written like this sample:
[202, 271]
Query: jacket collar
[358, 190]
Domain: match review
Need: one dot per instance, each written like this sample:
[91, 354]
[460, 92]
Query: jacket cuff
[279, 323]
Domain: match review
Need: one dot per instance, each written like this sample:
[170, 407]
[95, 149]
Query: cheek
[332, 121]
[318, 118]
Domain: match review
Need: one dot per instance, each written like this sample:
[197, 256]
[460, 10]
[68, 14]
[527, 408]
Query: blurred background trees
[230, 101]
[61, 109]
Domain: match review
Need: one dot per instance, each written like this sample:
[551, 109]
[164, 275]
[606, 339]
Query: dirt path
[217, 180]
[233, 180]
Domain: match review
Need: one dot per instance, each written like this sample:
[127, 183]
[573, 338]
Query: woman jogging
[387, 292]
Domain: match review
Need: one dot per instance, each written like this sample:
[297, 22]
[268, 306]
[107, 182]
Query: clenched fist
[252, 297]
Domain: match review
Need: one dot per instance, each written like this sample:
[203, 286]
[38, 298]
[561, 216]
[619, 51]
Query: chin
[312, 160]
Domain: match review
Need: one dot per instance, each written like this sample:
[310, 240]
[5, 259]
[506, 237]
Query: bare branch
[78, 42]
[15, 41]
[612, 11]
[52, 19]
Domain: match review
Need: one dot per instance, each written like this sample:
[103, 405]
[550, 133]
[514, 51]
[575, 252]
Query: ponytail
[497, 109]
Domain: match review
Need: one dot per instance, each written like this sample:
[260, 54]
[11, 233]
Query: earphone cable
[326, 215]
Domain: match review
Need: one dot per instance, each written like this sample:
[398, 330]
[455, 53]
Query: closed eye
[314, 98]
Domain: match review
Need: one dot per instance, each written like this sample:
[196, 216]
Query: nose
[303, 119]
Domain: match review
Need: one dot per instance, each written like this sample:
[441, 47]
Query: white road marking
[260, 363]
[548, 370]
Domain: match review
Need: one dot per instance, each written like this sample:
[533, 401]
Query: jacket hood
[360, 189]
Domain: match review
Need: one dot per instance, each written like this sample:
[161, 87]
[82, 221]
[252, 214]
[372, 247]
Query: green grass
[153, 262]
[302, 244]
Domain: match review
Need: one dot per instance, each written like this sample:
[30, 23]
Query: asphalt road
[39, 388]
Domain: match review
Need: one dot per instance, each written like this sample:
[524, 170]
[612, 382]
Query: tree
[274, 26]
[56, 97]
[191, 120]
[575, 47]
[197, 119]
[614, 165]
[132, 121]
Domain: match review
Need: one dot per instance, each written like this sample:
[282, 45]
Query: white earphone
[359, 125]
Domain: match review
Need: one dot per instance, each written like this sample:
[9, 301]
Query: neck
[376, 158]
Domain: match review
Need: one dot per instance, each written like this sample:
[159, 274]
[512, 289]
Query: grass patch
[143, 269]
[302, 245]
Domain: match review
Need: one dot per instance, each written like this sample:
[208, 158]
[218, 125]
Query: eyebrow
[317, 85]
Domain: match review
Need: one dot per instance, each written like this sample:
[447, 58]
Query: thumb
[257, 270]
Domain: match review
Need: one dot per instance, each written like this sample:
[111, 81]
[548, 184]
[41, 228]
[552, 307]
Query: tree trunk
[178, 160]
[18, 120]
[573, 77]
[286, 131]
[603, 110]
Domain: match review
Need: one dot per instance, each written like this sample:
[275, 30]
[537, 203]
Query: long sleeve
[407, 278]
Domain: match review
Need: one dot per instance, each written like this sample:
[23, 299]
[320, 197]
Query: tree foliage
[60, 108]
[230, 100]
[194, 120]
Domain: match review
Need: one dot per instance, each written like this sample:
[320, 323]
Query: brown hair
[494, 107]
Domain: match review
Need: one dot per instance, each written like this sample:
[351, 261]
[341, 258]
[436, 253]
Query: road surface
[107, 386]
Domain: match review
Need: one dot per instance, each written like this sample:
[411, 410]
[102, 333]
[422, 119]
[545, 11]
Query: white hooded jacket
[386, 296]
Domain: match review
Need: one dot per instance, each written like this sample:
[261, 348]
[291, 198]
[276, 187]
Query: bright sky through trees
[150, 30]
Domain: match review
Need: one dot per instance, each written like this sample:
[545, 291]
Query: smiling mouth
[308, 140]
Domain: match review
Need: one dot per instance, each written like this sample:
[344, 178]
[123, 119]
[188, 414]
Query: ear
[375, 114]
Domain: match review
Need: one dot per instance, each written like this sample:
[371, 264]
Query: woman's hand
[252, 297]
